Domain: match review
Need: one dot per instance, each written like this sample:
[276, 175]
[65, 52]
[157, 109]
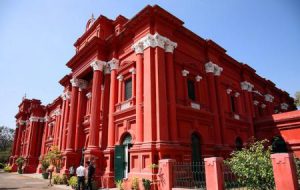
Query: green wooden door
[119, 162]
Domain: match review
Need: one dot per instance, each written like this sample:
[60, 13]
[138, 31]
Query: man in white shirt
[80, 175]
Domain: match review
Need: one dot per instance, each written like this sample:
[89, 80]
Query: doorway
[122, 158]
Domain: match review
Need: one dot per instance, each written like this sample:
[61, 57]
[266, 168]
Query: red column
[112, 102]
[95, 109]
[105, 109]
[61, 129]
[72, 116]
[172, 96]
[19, 138]
[209, 68]
[79, 117]
[120, 78]
[284, 170]
[161, 96]
[214, 173]
[13, 152]
[149, 98]
[66, 116]
[139, 97]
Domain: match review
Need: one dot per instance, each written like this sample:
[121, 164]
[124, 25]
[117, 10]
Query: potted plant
[119, 184]
[146, 184]
[20, 161]
[45, 164]
[154, 168]
[7, 168]
[135, 183]
[73, 182]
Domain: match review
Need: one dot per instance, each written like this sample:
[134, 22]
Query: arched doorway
[122, 158]
[238, 143]
[196, 148]
[278, 145]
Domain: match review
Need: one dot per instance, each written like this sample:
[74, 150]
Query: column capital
[155, 40]
[82, 84]
[198, 78]
[120, 77]
[185, 72]
[66, 95]
[113, 64]
[22, 122]
[74, 82]
[245, 85]
[269, 97]
[132, 70]
[98, 65]
[284, 106]
[89, 95]
[36, 119]
[211, 67]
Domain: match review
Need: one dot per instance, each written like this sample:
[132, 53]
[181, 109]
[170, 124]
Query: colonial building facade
[144, 89]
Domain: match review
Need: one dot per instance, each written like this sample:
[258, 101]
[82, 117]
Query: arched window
[238, 143]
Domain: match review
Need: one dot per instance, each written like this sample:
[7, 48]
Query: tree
[297, 98]
[252, 165]
[6, 138]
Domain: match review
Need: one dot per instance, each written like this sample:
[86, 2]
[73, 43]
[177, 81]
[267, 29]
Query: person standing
[90, 174]
[80, 175]
[50, 170]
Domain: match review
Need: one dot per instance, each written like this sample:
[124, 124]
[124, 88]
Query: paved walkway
[10, 181]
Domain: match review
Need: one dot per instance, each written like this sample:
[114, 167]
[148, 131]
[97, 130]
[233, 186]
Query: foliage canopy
[252, 165]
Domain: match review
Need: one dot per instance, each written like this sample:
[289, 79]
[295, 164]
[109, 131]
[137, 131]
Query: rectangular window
[128, 89]
[232, 104]
[191, 89]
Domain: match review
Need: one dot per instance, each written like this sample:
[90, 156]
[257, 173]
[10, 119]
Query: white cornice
[155, 40]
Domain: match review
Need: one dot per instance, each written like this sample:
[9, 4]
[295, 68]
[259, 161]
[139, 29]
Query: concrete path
[9, 181]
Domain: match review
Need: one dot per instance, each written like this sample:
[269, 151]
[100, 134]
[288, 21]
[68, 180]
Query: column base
[69, 159]
[30, 164]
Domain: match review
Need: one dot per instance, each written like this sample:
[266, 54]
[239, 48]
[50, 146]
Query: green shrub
[45, 164]
[7, 168]
[135, 183]
[20, 161]
[73, 182]
[2, 166]
[297, 162]
[252, 166]
[119, 184]
[146, 184]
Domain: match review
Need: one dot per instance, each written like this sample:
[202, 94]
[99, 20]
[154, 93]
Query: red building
[144, 89]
